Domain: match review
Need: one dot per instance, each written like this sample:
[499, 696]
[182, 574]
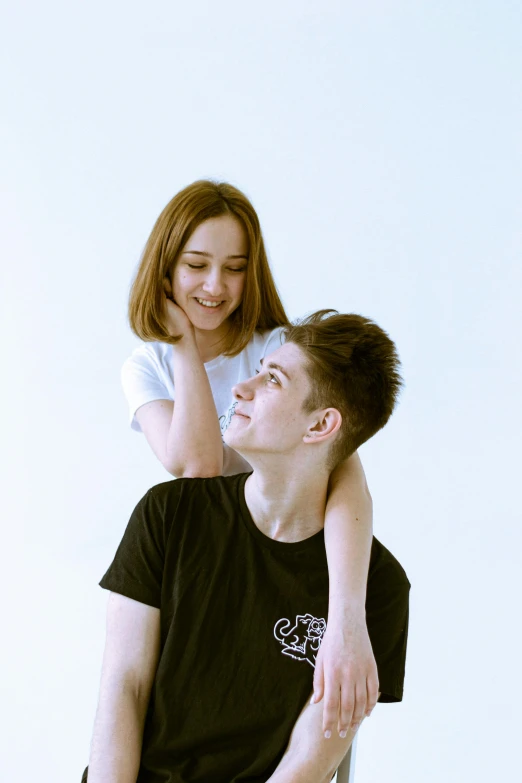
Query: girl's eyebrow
[209, 255]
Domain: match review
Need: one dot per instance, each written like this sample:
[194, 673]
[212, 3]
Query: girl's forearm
[348, 537]
[194, 445]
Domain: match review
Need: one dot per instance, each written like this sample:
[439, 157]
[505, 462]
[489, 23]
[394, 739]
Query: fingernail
[327, 734]
[342, 734]
[312, 700]
[355, 726]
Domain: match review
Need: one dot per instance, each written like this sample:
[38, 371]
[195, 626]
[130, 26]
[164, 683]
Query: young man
[219, 588]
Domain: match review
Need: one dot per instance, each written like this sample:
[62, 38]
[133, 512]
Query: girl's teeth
[208, 304]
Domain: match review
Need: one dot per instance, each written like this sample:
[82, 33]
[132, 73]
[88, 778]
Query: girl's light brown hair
[260, 308]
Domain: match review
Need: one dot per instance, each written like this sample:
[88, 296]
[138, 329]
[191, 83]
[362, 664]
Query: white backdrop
[381, 145]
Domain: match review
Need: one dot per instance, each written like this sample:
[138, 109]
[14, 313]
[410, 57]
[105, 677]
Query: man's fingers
[330, 710]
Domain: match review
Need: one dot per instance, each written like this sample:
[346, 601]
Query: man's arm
[129, 666]
[309, 757]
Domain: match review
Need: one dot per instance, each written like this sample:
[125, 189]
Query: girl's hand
[176, 320]
[346, 675]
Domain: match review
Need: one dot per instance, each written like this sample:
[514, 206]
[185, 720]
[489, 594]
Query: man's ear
[324, 425]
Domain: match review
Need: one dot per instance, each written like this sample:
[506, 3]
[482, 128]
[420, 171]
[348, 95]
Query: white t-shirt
[147, 375]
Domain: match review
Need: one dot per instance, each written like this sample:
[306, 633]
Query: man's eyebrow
[274, 366]
[209, 255]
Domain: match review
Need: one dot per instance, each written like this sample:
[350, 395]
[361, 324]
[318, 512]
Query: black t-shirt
[242, 617]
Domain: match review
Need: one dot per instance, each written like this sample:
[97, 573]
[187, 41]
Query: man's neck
[287, 505]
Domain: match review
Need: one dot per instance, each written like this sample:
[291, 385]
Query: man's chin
[229, 440]
[235, 442]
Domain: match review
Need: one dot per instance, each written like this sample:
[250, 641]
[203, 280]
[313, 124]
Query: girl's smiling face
[209, 276]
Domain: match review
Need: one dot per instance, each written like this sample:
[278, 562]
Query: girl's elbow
[197, 469]
[171, 465]
[174, 471]
[201, 472]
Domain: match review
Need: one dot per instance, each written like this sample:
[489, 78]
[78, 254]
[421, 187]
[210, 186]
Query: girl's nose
[213, 284]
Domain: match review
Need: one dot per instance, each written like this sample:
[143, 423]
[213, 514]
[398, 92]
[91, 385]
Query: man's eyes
[271, 377]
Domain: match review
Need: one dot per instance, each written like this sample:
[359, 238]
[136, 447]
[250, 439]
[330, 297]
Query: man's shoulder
[195, 490]
[193, 509]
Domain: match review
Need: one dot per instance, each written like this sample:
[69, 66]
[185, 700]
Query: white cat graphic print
[302, 639]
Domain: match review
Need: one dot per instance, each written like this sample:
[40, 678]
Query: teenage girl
[206, 306]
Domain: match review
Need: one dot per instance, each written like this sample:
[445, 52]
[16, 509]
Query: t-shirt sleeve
[387, 612]
[137, 568]
[141, 383]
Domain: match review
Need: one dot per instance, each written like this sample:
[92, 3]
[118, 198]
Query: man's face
[269, 416]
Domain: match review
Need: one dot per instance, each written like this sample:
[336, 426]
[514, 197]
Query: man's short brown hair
[353, 366]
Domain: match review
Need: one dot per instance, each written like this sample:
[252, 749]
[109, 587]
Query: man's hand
[346, 676]
[176, 321]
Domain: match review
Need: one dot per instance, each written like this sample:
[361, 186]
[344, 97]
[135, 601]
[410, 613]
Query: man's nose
[243, 391]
